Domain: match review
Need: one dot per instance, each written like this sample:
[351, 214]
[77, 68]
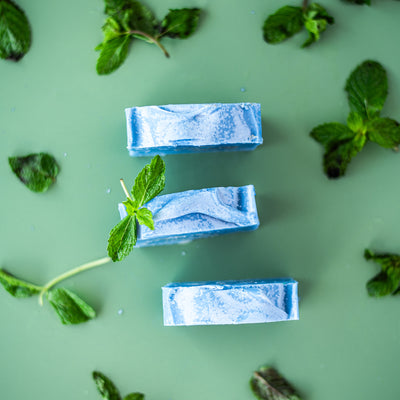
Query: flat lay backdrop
[344, 346]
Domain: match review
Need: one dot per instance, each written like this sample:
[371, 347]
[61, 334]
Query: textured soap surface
[181, 217]
[185, 128]
[230, 302]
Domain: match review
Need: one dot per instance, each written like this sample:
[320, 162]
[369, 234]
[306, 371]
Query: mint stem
[72, 272]
[125, 189]
[152, 39]
[305, 4]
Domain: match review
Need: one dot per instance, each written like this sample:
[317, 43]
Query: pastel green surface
[345, 345]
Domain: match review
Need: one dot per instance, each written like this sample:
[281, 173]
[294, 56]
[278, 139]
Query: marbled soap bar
[187, 128]
[230, 302]
[181, 217]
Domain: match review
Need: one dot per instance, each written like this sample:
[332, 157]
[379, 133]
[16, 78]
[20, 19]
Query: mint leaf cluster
[367, 89]
[387, 281]
[289, 20]
[15, 31]
[109, 391]
[129, 19]
[148, 184]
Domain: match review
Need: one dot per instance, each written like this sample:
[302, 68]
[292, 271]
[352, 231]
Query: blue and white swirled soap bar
[230, 302]
[181, 217]
[187, 128]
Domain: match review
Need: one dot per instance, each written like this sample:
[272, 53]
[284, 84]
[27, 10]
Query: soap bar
[187, 128]
[230, 302]
[181, 217]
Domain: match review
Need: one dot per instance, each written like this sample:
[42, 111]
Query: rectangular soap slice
[230, 302]
[181, 217]
[187, 128]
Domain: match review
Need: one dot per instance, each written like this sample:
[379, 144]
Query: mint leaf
[316, 20]
[17, 287]
[113, 54]
[140, 18]
[15, 31]
[356, 123]
[145, 217]
[134, 396]
[381, 285]
[69, 307]
[180, 23]
[37, 171]
[283, 24]
[268, 384]
[330, 133]
[122, 238]
[367, 88]
[150, 182]
[105, 386]
[384, 131]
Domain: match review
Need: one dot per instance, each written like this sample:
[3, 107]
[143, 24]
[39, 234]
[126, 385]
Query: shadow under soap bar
[230, 302]
[181, 217]
[187, 128]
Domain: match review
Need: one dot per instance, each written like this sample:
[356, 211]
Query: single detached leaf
[16, 287]
[149, 182]
[385, 132]
[367, 88]
[113, 54]
[330, 133]
[356, 123]
[282, 25]
[69, 307]
[15, 31]
[316, 20]
[37, 171]
[134, 396]
[122, 238]
[268, 384]
[180, 23]
[105, 386]
[145, 217]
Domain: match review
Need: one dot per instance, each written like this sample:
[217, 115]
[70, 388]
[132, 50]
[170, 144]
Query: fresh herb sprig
[289, 20]
[70, 308]
[367, 89]
[109, 391]
[268, 384]
[387, 281]
[129, 19]
[15, 31]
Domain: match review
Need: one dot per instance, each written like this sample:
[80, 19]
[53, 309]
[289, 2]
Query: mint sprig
[367, 89]
[130, 19]
[289, 20]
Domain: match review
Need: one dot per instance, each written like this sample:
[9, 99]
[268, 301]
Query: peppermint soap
[188, 128]
[181, 217]
[230, 302]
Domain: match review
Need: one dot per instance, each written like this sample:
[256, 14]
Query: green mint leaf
[114, 6]
[145, 217]
[316, 20]
[180, 23]
[69, 307]
[330, 133]
[122, 238]
[150, 182]
[15, 31]
[130, 207]
[367, 88]
[111, 29]
[356, 123]
[16, 287]
[268, 384]
[283, 24]
[384, 131]
[105, 386]
[112, 55]
[134, 396]
[37, 171]
[381, 285]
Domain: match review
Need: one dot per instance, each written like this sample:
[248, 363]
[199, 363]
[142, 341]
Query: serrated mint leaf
[384, 131]
[122, 238]
[15, 31]
[112, 29]
[17, 287]
[130, 207]
[140, 18]
[180, 23]
[70, 308]
[268, 384]
[283, 24]
[316, 20]
[381, 285]
[105, 386]
[36, 171]
[356, 123]
[330, 133]
[367, 89]
[150, 182]
[113, 54]
[134, 396]
[145, 217]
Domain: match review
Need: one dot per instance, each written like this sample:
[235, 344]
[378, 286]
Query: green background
[345, 345]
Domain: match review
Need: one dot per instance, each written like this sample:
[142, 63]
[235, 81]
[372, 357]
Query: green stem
[72, 272]
[125, 189]
[305, 4]
[152, 39]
